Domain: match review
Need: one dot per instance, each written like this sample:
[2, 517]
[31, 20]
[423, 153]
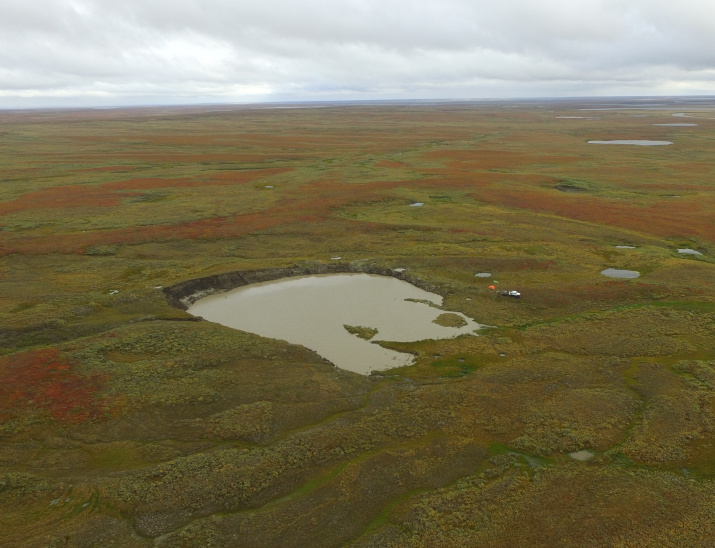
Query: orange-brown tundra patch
[102, 195]
[392, 164]
[307, 204]
[494, 159]
[44, 379]
[672, 186]
[108, 168]
[61, 198]
[183, 158]
[692, 218]
[304, 205]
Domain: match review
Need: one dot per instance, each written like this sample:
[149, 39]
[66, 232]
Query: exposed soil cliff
[184, 294]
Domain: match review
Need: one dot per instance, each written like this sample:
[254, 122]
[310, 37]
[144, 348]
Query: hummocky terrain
[126, 421]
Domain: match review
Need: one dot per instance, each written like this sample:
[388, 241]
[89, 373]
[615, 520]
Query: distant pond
[639, 142]
[616, 273]
[338, 316]
[688, 251]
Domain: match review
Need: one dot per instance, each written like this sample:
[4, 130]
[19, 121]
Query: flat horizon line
[316, 103]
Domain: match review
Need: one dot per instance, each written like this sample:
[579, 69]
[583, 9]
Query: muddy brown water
[312, 311]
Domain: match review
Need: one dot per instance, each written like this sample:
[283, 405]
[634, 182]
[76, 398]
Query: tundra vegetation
[125, 421]
[366, 333]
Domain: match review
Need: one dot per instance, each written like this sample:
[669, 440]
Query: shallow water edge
[184, 294]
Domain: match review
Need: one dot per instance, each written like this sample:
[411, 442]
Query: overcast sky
[120, 52]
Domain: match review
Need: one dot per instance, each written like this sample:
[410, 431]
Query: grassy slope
[120, 422]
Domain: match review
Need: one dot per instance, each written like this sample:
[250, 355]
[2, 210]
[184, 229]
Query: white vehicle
[514, 294]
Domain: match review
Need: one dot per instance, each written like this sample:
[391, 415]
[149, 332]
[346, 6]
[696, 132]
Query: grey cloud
[313, 49]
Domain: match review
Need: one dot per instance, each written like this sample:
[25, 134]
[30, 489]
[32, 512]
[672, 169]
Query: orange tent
[492, 287]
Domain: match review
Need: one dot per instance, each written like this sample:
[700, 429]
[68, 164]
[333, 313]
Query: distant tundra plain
[581, 413]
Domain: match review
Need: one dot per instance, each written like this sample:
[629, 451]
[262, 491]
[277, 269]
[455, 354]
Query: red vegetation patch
[310, 205]
[179, 158]
[104, 195]
[61, 197]
[461, 175]
[609, 292]
[228, 177]
[493, 159]
[110, 168]
[662, 219]
[43, 379]
[674, 188]
[301, 206]
[693, 167]
[494, 264]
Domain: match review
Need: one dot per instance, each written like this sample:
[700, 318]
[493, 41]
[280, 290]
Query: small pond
[417, 204]
[639, 142]
[625, 247]
[676, 125]
[314, 311]
[687, 251]
[615, 273]
[582, 455]
[483, 274]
